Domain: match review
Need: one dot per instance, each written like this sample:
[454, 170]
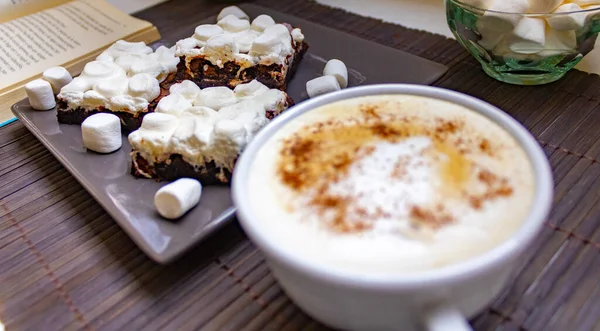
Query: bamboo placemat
[65, 264]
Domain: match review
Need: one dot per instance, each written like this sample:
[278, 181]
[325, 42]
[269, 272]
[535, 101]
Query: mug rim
[462, 270]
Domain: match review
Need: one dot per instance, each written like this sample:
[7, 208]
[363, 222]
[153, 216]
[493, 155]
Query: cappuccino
[390, 184]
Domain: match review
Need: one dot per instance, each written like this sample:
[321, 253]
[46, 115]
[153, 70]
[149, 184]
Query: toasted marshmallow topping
[125, 77]
[213, 124]
[234, 38]
[123, 47]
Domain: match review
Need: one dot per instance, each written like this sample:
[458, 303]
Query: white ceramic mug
[440, 299]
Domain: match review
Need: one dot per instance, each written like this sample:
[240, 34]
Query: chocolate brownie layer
[205, 74]
[129, 121]
[175, 168]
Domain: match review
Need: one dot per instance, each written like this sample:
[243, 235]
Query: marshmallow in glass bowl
[525, 42]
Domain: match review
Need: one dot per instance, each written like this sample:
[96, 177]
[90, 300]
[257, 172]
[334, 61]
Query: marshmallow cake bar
[200, 133]
[127, 79]
[236, 51]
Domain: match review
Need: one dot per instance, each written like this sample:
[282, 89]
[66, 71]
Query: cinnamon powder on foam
[321, 156]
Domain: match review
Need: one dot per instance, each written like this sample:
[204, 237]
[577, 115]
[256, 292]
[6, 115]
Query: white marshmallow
[200, 111]
[101, 133]
[251, 114]
[175, 199]
[155, 133]
[78, 84]
[337, 69]
[128, 103]
[265, 44]
[271, 99]
[280, 31]
[40, 94]
[231, 129]
[144, 86]
[528, 37]
[150, 66]
[489, 38]
[543, 6]
[262, 22]
[584, 3]
[245, 39]
[122, 47]
[250, 90]
[233, 10]
[189, 43]
[127, 60]
[111, 87]
[245, 108]
[297, 35]
[58, 77]
[192, 136]
[187, 89]
[95, 99]
[221, 47]
[159, 122]
[97, 70]
[245, 60]
[162, 49]
[216, 97]
[231, 23]
[206, 31]
[132, 47]
[502, 50]
[167, 58]
[173, 104]
[566, 22]
[322, 85]
[497, 16]
[559, 43]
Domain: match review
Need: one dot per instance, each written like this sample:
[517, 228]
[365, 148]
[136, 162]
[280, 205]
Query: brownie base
[205, 74]
[175, 168]
[129, 122]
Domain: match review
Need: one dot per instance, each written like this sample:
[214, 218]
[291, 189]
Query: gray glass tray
[130, 201]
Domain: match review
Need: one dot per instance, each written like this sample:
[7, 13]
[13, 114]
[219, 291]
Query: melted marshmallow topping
[125, 77]
[390, 185]
[236, 39]
[213, 124]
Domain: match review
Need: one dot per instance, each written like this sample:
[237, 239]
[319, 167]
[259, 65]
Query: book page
[11, 9]
[33, 43]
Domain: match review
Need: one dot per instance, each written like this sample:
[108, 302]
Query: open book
[39, 34]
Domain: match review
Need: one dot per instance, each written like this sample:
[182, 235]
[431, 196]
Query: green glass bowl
[524, 49]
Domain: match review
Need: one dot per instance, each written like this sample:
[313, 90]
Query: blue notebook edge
[8, 122]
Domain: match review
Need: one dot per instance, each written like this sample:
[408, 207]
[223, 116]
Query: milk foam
[369, 182]
[454, 186]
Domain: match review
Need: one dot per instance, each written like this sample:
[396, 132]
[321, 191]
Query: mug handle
[445, 318]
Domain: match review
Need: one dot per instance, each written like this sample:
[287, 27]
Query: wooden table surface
[66, 265]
